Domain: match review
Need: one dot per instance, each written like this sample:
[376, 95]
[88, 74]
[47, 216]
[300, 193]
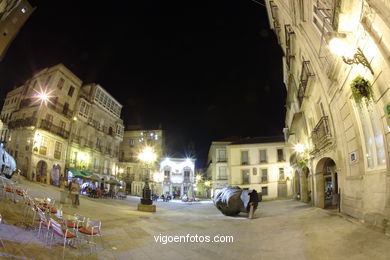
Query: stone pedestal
[146, 208]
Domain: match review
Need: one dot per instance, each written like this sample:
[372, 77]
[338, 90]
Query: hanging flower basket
[302, 163]
[362, 91]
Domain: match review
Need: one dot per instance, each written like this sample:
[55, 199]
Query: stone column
[303, 189]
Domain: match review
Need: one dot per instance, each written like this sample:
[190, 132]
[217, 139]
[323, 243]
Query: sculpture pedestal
[146, 208]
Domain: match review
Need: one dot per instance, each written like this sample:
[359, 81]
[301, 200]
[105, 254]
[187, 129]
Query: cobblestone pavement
[282, 229]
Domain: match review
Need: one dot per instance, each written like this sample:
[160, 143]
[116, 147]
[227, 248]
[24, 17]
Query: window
[71, 90]
[95, 163]
[264, 191]
[280, 155]
[60, 83]
[65, 109]
[264, 175]
[373, 137]
[62, 125]
[281, 174]
[221, 155]
[128, 170]
[325, 15]
[222, 173]
[43, 146]
[254, 171]
[263, 156]
[131, 142]
[186, 175]
[244, 158]
[58, 150]
[84, 109]
[245, 176]
[166, 174]
[47, 80]
[49, 120]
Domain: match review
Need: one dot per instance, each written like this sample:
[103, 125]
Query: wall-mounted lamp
[339, 46]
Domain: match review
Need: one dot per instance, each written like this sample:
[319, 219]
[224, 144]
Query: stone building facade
[177, 177]
[49, 130]
[260, 163]
[343, 159]
[96, 133]
[130, 168]
[218, 169]
[13, 15]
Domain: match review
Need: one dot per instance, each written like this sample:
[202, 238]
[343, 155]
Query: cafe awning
[76, 173]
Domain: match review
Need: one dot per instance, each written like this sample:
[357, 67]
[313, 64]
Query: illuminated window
[281, 174]
[58, 150]
[131, 142]
[43, 146]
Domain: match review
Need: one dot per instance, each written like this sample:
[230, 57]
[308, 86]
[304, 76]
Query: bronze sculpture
[233, 200]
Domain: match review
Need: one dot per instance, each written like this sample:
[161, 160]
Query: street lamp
[147, 156]
[339, 46]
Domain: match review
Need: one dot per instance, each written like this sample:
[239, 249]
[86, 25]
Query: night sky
[204, 70]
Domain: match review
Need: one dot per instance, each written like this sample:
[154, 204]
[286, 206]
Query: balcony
[49, 126]
[276, 23]
[76, 139]
[321, 135]
[61, 109]
[306, 73]
[264, 179]
[289, 32]
[30, 121]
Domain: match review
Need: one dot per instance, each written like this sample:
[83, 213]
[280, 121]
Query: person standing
[75, 190]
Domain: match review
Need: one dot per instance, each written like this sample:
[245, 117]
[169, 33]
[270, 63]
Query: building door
[41, 171]
[326, 184]
[282, 190]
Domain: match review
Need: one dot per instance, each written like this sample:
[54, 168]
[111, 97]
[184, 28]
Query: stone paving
[282, 229]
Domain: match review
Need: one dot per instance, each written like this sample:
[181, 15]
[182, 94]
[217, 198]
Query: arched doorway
[55, 175]
[327, 187]
[41, 171]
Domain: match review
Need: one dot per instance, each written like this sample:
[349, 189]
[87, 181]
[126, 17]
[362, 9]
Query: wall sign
[353, 157]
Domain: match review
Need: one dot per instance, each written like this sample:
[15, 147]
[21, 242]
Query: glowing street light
[198, 177]
[299, 148]
[147, 156]
[339, 46]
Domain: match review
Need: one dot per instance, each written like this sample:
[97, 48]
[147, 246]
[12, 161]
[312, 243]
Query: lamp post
[338, 45]
[147, 156]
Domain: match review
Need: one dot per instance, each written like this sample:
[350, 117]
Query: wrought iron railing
[288, 32]
[49, 126]
[306, 73]
[30, 121]
[321, 135]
